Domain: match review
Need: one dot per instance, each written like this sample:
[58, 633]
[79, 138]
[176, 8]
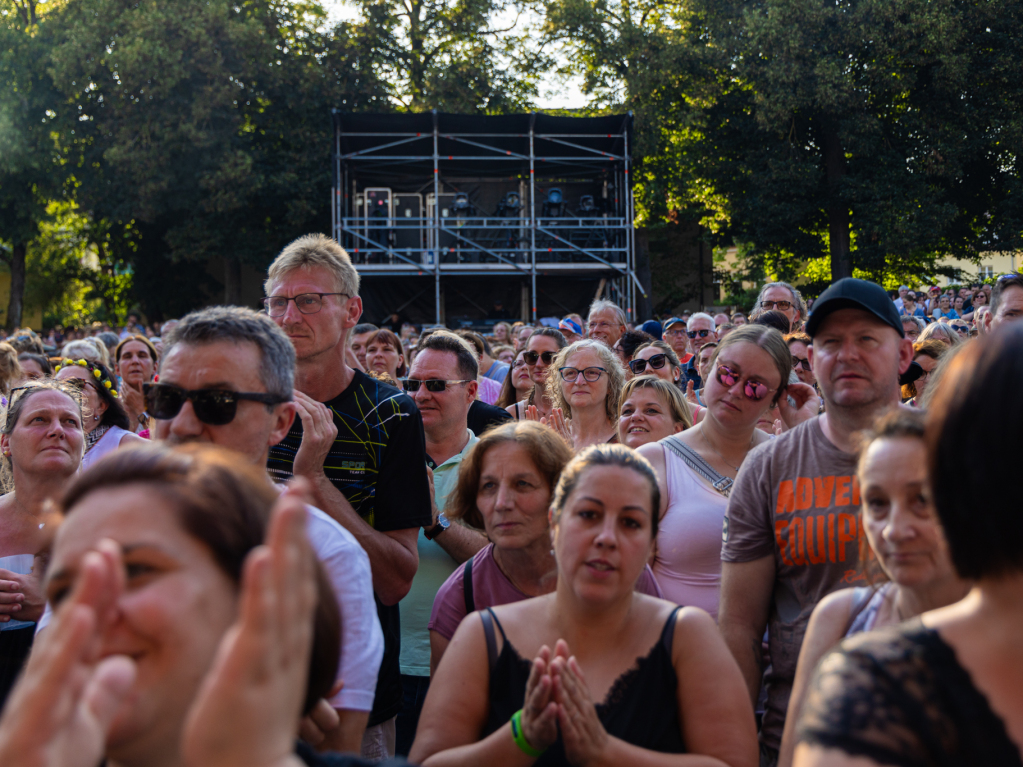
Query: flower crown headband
[101, 377]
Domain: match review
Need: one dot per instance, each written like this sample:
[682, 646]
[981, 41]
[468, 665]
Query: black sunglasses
[532, 357]
[433, 384]
[800, 362]
[700, 333]
[656, 361]
[215, 407]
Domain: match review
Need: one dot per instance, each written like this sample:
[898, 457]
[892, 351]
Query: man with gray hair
[226, 378]
[785, 299]
[606, 322]
[700, 330]
[357, 440]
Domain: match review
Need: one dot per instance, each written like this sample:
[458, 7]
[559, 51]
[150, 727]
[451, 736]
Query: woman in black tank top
[592, 673]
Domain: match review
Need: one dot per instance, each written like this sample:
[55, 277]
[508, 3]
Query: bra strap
[668, 634]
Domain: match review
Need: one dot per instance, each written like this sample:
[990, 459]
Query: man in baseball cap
[571, 330]
[780, 537]
[674, 334]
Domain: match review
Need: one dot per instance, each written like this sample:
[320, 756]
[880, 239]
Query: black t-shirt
[482, 416]
[377, 462]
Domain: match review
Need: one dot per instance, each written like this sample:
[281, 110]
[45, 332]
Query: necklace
[726, 463]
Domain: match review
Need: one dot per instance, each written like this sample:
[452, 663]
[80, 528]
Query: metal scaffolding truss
[523, 195]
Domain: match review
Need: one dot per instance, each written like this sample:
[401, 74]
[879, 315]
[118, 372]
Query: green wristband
[520, 737]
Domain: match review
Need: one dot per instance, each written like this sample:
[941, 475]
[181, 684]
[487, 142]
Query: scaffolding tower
[523, 196]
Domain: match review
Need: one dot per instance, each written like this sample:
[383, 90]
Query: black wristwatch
[443, 523]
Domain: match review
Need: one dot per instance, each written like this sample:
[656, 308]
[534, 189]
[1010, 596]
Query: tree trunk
[838, 212]
[232, 281]
[15, 306]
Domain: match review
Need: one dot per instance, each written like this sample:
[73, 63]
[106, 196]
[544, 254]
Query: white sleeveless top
[688, 561]
[107, 443]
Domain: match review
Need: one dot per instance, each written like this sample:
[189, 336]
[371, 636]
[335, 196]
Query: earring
[95, 417]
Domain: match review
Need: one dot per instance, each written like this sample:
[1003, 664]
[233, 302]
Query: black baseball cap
[851, 293]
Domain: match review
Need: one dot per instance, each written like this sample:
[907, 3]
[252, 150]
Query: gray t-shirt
[796, 498]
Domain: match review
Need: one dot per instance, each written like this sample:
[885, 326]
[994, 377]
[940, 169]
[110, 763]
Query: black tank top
[641, 707]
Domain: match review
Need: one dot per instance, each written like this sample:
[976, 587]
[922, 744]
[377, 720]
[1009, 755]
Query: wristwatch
[443, 523]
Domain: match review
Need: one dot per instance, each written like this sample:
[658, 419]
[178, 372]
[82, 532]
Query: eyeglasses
[754, 390]
[656, 361]
[700, 333]
[519, 363]
[801, 362]
[433, 385]
[676, 332]
[215, 407]
[307, 303]
[783, 306]
[589, 374]
[532, 357]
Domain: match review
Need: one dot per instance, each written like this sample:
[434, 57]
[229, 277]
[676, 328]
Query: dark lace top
[641, 706]
[899, 696]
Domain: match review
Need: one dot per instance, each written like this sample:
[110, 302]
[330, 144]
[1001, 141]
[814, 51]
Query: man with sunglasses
[443, 384]
[226, 378]
[357, 440]
[792, 527]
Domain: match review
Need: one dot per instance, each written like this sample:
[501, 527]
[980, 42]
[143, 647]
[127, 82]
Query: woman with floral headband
[106, 424]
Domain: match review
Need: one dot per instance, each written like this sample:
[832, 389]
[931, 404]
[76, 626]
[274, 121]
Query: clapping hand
[248, 709]
[540, 712]
[582, 733]
[560, 424]
[61, 710]
[21, 596]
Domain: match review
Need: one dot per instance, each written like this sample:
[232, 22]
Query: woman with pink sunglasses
[747, 375]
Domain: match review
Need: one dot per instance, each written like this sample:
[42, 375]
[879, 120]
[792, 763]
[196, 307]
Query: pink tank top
[688, 561]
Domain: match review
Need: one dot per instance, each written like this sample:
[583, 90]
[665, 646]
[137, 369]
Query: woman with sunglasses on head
[539, 353]
[516, 388]
[594, 672]
[585, 382]
[651, 410]
[106, 422]
[695, 469]
[42, 443]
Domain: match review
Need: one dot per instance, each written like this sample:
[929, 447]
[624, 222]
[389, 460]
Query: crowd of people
[292, 537]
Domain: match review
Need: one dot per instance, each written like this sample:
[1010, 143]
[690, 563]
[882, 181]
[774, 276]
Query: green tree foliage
[879, 135]
[467, 56]
[203, 129]
[31, 163]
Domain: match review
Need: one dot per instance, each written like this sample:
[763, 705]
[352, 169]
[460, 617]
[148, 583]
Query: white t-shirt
[362, 640]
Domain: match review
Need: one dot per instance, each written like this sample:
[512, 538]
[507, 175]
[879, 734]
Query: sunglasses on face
[783, 306]
[215, 407]
[960, 328]
[532, 357]
[801, 362]
[589, 374]
[656, 362]
[700, 333]
[754, 390]
[432, 385]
